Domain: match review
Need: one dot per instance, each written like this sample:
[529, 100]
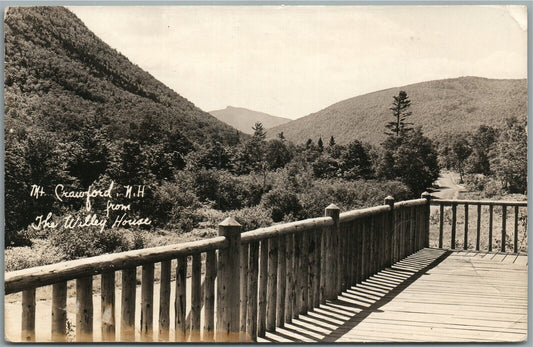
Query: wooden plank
[127, 305]
[180, 301]
[253, 273]
[281, 277]
[164, 300]
[243, 297]
[84, 309]
[196, 297]
[478, 227]
[323, 264]
[147, 302]
[272, 284]
[491, 215]
[304, 272]
[228, 283]
[504, 226]
[107, 297]
[289, 286]
[441, 224]
[465, 243]
[515, 238]
[310, 269]
[297, 275]
[454, 222]
[209, 296]
[28, 315]
[263, 282]
[317, 270]
[59, 311]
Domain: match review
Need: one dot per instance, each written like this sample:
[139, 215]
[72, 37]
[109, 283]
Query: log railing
[486, 233]
[253, 281]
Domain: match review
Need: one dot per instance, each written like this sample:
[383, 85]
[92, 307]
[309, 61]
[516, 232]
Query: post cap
[426, 195]
[229, 222]
[332, 207]
[389, 199]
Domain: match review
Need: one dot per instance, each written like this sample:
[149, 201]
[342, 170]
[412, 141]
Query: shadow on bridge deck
[432, 295]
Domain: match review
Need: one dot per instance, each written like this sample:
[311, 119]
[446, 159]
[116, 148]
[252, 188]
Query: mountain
[60, 77]
[441, 106]
[244, 119]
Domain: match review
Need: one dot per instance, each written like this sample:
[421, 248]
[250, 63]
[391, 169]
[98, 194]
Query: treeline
[489, 159]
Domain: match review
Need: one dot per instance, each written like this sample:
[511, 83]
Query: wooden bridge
[361, 276]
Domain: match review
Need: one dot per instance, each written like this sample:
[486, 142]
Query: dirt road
[448, 189]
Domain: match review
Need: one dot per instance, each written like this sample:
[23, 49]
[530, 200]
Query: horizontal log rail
[242, 284]
[16, 281]
[519, 209]
[435, 201]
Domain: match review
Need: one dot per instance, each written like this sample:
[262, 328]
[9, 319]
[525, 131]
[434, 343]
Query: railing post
[504, 226]
[389, 200]
[427, 196]
[332, 253]
[228, 283]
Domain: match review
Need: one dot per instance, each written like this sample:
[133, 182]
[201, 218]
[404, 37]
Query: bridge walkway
[433, 295]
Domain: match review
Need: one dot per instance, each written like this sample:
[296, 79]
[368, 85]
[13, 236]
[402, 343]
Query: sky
[290, 61]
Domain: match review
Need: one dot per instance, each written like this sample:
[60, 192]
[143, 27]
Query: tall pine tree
[400, 111]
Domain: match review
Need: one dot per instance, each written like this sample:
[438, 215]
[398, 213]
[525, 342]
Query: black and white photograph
[295, 173]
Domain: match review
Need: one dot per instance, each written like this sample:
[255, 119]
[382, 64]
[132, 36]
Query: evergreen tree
[281, 136]
[400, 111]
[320, 144]
[259, 131]
[331, 141]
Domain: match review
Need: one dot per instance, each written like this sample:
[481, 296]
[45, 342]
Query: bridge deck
[433, 295]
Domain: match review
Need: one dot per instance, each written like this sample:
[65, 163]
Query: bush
[281, 203]
[486, 187]
[252, 218]
[40, 253]
[225, 191]
[175, 205]
[348, 195]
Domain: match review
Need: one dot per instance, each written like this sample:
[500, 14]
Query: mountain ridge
[54, 63]
[439, 106]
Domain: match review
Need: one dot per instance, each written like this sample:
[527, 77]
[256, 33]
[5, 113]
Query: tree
[412, 159]
[399, 109]
[277, 154]
[331, 141]
[482, 142]
[259, 131]
[461, 151]
[510, 161]
[320, 144]
[355, 161]
[281, 136]
[325, 167]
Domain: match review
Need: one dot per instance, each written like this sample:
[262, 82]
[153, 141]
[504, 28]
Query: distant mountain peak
[244, 119]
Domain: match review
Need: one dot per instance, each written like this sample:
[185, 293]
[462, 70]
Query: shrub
[40, 253]
[281, 202]
[252, 217]
[348, 195]
[175, 205]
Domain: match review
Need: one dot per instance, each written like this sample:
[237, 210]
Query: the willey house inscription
[115, 202]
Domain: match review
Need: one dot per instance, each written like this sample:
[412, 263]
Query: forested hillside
[79, 113]
[443, 106]
[60, 77]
